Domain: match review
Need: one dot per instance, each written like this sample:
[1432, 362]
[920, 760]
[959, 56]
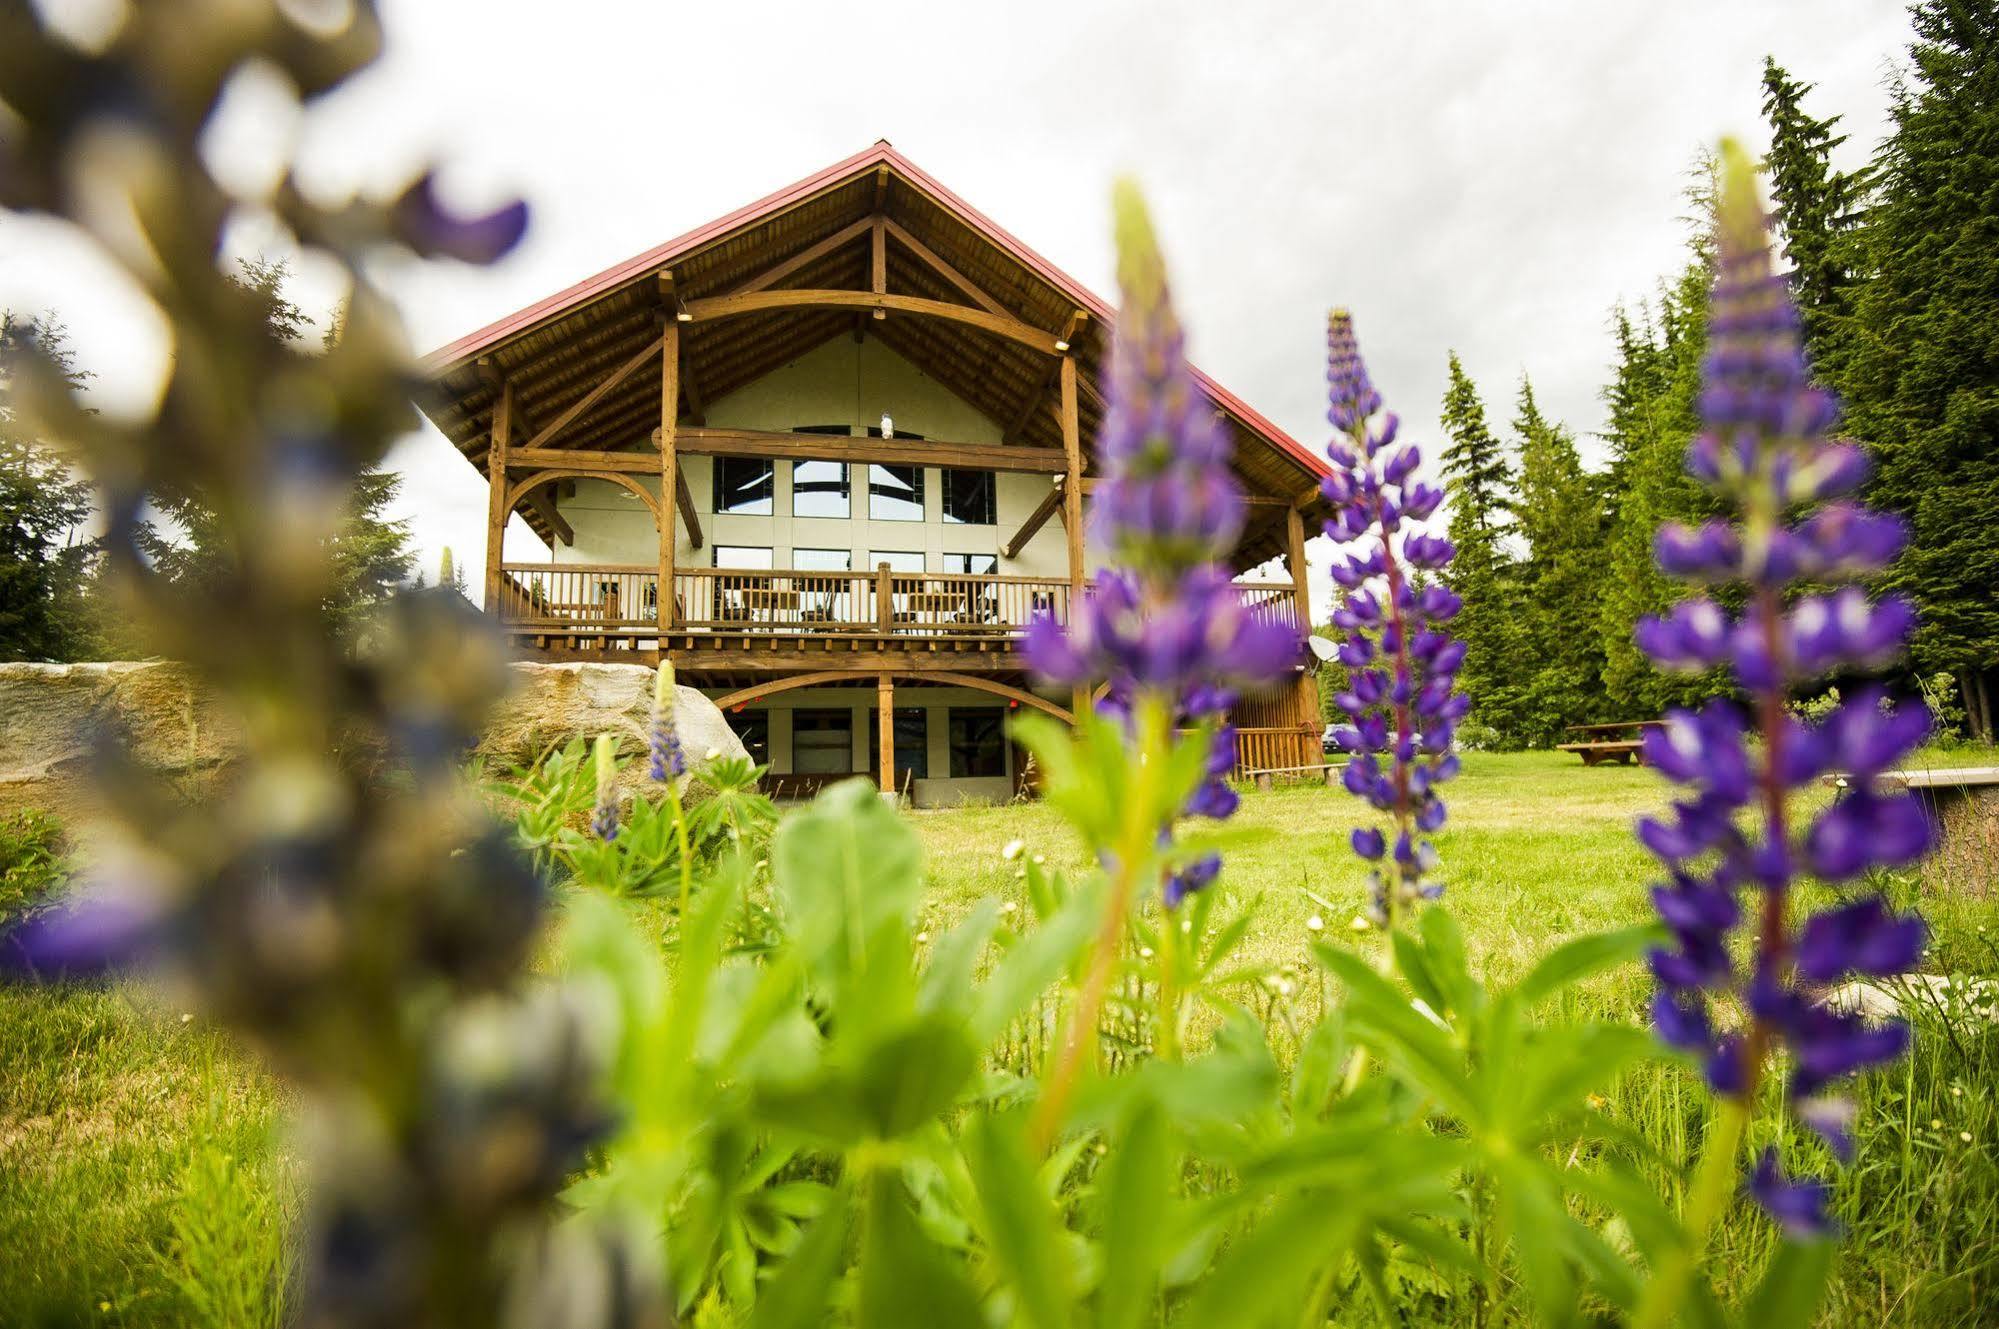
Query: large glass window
[743, 486]
[898, 560]
[822, 560]
[973, 564]
[753, 727]
[819, 489]
[742, 556]
[823, 599]
[968, 498]
[822, 742]
[912, 742]
[978, 741]
[895, 493]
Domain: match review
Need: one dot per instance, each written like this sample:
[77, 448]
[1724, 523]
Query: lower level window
[822, 742]
[978, 741]
[912, 742]
[753, 727]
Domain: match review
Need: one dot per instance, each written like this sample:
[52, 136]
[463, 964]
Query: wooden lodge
[849, 428]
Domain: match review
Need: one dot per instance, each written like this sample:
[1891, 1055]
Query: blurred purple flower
[92, 935]
[423, 222]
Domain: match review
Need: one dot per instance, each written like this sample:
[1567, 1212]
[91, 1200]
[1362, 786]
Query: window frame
[990, 486]
[763, 506]
[846, 512]
[958, 744]
[769, 552]
[846, 717]
[918, 498]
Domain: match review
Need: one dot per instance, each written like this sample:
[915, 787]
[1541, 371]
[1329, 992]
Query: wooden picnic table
[1595, 750]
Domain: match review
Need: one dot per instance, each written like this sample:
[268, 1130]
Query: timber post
[496, 500]
[1306, 688]
[885, 729]
[1072, 510]
[667, 518]
[884, 600]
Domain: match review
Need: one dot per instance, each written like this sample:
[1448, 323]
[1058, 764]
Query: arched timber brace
[540, 478]
[939, 678]
[877, 302]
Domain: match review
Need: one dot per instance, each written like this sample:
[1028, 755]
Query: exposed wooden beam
[730, 306]
[669, 469]
[971, 289]
[580, 459]
[1072, 506]
[1070, 331]
[685, 502]
[878, 260]
[1035, 521]
[496, 496]
[707, 442]
[596, 394]
[777, 272]
[520, 425]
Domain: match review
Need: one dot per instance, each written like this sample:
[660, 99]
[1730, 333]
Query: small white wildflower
[1957, 1091]
[923, 936]
[1040, 859]
[1283, 987]
[1964, 1136]
[1315, 924]
[1013, 850]
[1186, 925]
[1936, 1123]
[1009, 907]
[1145, 952]
[712, 754]
[1359, 924]
[186, 1018]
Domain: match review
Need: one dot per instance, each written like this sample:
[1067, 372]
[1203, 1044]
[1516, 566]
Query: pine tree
[1819, 209]
[1922, 382]
[1558, 515]
[1482, 573]
[44, 561]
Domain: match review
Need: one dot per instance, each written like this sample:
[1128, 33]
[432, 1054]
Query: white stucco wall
[841, 382]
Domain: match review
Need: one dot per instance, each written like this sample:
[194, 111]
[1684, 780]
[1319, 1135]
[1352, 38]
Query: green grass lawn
[142, 1178]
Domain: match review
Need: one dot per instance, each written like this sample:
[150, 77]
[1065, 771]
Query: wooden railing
[604, 599]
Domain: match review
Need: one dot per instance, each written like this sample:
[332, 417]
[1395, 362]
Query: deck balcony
[565, 608]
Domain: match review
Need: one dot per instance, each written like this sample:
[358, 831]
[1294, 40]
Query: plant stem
[686, 854]
[1134, 849]
[1714, 1183]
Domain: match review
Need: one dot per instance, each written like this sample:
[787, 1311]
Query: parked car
[1326, 743]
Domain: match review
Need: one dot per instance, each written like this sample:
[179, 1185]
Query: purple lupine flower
[92, 935]
[1764, 452]
[423, 222]
[665, 759]
[1163, 623]
[1401, 703]
[604, 818]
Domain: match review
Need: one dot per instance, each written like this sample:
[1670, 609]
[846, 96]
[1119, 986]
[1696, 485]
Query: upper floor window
[743, 485]
[898, 560]
[822, 560]
[895, 493]
[975, 564]
[819, 489]
[741, 556]
[968, 498]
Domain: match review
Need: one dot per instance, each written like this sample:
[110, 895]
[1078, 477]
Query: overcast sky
[1489, 178]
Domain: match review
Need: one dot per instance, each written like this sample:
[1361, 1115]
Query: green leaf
[912, 1077]
[1270, 1267]
[906, 1281]
[1021, 1224]
[1037, 960]
[1449, 968]
[843, 868]
[1133, 1198]
[1413, 963]
[1584, 957]
[1792, 1286]
[1383, 1018]
[797, 1296]
[947, 982]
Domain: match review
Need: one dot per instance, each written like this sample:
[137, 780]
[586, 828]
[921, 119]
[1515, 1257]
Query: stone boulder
[550, 704]
[50, 715]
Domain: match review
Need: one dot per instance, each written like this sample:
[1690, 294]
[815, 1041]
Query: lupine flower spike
[1164, 621]
[604, 820]
[666, 759]
[1402, 711]
[1764, 451]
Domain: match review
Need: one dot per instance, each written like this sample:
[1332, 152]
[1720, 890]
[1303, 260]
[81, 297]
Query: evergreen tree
[44, 561]
[372, 557]
[1819, 209]
[1558, 515]
[1922, 381]
[1481, 495]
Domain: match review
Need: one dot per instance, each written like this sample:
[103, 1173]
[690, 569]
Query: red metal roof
[881, 153]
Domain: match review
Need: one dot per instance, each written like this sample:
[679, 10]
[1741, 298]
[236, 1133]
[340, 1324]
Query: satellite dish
[1321, 648]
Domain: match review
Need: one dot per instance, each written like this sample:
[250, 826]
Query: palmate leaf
[1792, 1286]
[907, 1281]
[1134, 1205]
[845, 868]
[1382, 1017]
[797, 1296]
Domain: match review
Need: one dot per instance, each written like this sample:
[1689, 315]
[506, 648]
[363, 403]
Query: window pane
[743, 485]
[898, 560]
[895, 493]
[978, 742]
[974, 564]
[968, 498]
[819, 489]
[822, 742]
[912, 742]
[822, 560]
[741, 556]
[753, 727]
